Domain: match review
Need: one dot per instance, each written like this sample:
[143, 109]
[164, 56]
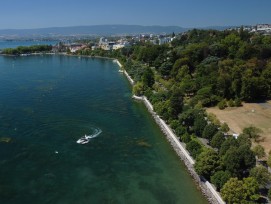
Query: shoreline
[206, 187]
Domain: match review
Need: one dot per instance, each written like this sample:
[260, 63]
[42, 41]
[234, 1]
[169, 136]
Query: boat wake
[86, 138]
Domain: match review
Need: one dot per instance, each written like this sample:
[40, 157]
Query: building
[75, 47]
[104, 44]
[264, 27]
[164, 40]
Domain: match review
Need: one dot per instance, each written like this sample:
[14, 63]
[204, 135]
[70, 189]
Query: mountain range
[96, 30]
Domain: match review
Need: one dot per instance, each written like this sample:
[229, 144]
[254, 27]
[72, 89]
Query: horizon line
[36, 28]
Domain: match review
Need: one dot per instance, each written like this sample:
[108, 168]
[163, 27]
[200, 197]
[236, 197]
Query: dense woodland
[203, 68]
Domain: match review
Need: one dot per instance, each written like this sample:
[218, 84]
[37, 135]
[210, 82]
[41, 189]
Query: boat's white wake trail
[86, 138]
[95, 133]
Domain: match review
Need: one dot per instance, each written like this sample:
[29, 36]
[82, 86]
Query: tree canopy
[207, 163]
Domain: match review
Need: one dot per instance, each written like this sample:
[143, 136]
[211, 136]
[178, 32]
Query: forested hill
[210, 66]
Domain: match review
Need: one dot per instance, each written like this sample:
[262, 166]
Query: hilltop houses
[113, 43]
[76, 46]
[104, 44]
[164, 40]
[263, 27]
[259, 28]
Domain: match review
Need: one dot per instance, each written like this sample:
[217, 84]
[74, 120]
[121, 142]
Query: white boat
[86, 138]
[121, 71]
[83, 140]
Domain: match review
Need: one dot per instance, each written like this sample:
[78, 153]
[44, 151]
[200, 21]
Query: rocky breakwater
[207, 189]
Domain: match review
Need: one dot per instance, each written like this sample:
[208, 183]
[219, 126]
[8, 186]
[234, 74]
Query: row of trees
[27, 49]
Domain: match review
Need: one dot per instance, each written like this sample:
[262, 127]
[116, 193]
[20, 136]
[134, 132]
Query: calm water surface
[47, 103]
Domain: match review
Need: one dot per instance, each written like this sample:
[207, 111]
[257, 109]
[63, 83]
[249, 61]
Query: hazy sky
[185, 13]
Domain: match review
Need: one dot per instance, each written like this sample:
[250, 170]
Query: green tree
[233, 192]
[238, 102]
[269, 160]
[252, 132]
[232, 42]
[187, 118]
[231, 103]
[244, 140]
[254, 88]
[217, 140]
[230, 142]
[186, 138]
[225, 128]
[220, 178]
[213, 119]
[251, 189]
[148, 77]
[259, 151]
[178, 64]
[138, 89]
[205, 96]
[240, 191]
[248, 159]
[269, 194]
[261, 174]
[222, 104]
[194, 148]
[207, 163]
[180, 130]
[199, 125]
[162, 108]
[209, 131]
[176, 103]
[165, 68]
[237, 160]
[232, 161]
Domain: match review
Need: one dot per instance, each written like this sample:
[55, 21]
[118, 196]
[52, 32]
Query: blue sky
[185, 13]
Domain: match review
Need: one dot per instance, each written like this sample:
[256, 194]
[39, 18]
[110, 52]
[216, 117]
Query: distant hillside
[92, 30]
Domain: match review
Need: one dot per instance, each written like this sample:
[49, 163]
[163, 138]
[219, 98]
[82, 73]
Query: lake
[47, 103]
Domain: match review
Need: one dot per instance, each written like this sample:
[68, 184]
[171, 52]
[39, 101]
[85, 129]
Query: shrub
[231, 103]
[238, 102]
[186, 138]
[222, 105]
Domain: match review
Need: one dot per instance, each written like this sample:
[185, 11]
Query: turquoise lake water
[47, 103]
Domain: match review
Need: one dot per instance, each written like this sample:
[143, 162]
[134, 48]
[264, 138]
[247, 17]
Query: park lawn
[256, 114]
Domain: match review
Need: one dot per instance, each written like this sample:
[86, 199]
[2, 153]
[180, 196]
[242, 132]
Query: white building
[164, 40]
[264, 27]
[120, 45]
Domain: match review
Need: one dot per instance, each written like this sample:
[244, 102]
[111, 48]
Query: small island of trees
[27, 49]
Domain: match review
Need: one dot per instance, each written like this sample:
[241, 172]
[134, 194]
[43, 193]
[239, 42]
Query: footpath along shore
[207, 189]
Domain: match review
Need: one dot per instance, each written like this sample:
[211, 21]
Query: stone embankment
[124, 71]
[207, 189]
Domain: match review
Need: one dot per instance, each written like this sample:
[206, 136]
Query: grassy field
[256, 114]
